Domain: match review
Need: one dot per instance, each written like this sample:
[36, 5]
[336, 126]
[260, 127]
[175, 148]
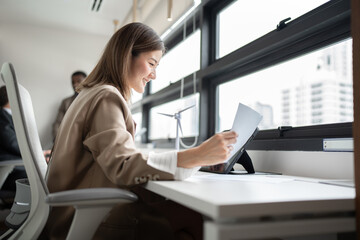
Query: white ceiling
[68, 14]
[77, 15]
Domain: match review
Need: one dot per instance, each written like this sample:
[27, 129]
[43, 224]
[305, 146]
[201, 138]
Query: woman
[95, 147]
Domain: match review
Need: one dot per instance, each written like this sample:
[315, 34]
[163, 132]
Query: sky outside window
[244, 21]
[179, 62]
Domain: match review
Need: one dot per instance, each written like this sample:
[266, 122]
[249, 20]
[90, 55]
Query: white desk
[260, 206]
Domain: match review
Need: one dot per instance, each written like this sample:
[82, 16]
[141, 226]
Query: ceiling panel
[78, 15]
[68, 14]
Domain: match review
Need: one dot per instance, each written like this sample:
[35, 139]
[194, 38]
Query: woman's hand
[213, 151]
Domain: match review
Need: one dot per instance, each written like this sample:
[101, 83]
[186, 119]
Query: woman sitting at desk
[95, 147]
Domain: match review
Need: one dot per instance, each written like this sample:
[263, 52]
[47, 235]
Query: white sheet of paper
[245, 122]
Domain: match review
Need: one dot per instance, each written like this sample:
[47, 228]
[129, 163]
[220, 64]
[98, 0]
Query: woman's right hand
[213, 151]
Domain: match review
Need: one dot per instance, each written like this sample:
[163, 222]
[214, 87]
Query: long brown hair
[114, 65]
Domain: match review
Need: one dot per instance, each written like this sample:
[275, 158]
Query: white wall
[44, 60]
[325, 165]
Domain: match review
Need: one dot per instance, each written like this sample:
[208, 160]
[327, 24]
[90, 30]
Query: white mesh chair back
[91, 205]
[30, 148]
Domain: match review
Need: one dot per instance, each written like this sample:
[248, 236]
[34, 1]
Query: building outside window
[304, 91]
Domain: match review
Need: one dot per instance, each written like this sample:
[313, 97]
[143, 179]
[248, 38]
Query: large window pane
[137, 117]
[135, 96]
[181, 61]
[312, 89]
[244, 21]
[165, 127]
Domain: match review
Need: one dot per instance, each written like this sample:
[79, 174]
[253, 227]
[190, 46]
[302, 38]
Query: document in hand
[245, 125]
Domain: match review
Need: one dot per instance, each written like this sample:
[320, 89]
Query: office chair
[91, 205]
[6, 167]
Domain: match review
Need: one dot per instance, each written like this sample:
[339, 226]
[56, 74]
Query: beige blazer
[95, 148]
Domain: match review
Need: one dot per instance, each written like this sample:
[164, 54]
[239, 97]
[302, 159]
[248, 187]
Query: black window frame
[318, 28]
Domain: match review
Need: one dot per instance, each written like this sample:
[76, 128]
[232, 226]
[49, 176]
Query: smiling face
[143, 69]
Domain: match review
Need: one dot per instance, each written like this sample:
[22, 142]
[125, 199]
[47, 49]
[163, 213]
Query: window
[306, 66]
[244, 21]
[135, 96]
[285, 94]
[137, 117]
[179, 62]
[165, 127]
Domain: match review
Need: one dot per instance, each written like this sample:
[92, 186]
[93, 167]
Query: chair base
[21, 206]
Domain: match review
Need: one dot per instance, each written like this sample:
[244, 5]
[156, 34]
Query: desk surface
[224, 197]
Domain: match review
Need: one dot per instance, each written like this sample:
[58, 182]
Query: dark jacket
[9, 148]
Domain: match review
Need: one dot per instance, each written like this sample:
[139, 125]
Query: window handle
[282, 24]
[283, 129]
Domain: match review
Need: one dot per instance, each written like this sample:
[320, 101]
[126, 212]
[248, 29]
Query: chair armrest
[15, 162]
[90, 196]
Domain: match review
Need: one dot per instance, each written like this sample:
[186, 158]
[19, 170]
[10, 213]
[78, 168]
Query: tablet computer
[245, 124]
[228, 165]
